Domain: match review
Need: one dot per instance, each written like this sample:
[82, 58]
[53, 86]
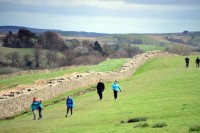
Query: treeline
[49, 50]
[27, 39]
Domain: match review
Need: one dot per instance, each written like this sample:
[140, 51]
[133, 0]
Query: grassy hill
[150, 47]
[163, 91]
[149, 42]
[22, 52]
[24, 79]
[14, 29]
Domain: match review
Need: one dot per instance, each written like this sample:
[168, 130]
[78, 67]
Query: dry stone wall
[16, 102]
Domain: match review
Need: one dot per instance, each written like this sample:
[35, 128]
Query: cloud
[125, 8]
[165, 2]
[102, 15]
[104, 4]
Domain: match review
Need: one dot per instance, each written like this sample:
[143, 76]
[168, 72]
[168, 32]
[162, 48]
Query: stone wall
[17, 102]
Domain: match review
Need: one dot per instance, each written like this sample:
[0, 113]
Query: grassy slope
[149, 42]
[21, 51]
[26, 51]
[108, 65]
[145, 38]
[163, 90]
[150, 47]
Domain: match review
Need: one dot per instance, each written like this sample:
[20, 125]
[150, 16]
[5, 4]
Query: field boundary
[16, 102]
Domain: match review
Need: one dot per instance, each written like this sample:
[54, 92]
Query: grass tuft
[141, 125]
[137, 119]
[122, 121]
[159, 125]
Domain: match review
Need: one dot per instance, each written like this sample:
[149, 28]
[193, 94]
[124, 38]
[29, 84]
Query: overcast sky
[105, 16]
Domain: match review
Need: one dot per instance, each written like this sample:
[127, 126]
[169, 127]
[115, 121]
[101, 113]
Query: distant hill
[14, 29]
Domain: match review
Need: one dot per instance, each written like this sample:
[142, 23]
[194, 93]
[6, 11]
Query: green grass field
[108, 65]
[22, 52]
[163, 91]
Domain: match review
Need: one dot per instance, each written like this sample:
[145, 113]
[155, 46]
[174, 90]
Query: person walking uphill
[40, 109]
[69, 104]
[34, 106]
[116, 88]
[187, 61]
[100, 89]
[197, 62]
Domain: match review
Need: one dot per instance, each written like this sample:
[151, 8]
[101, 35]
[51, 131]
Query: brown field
[159, 38]
[184, 38]
[79, 38]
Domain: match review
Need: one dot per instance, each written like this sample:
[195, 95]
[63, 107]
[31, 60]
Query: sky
[103, 16]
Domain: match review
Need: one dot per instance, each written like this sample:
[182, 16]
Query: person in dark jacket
[69, 104]
[187, 61]
[197, 62]
[40, 109]
[100, 89]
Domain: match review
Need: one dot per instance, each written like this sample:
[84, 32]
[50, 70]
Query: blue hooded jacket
[35, 105]
[116, 87]
[69, 102]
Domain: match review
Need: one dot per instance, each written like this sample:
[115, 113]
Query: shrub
[7, 70]
[159, 125]
[137, 119]
[141, 125]
[179, 49]
[194, 128]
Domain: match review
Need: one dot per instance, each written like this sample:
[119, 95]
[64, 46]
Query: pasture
[30, 78]
[150, 47]
[162, 91]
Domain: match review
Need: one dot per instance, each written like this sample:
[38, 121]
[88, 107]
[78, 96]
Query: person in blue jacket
[34, 106]
[69, 104]
[116, 88]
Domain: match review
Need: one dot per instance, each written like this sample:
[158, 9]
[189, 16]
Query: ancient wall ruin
[17, 102]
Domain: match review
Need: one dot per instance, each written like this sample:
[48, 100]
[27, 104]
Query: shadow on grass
[194, 128]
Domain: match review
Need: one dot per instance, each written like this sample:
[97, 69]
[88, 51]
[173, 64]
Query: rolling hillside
[28, 78]
[162, 91]
[14, 29]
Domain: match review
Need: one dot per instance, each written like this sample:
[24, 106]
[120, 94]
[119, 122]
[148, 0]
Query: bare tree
[51, 57]
[179, 49]
[133, 50]
[50, 40]
[1, 57]
[14, 58]
[119, 54]
[28, 60]
[37, 55]
[67, 59]
[88, 59]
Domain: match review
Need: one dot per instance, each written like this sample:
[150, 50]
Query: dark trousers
[68, 108]
[197, 64]
[100, 95]
[115, 94]
[187, 64]
[40, 112]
